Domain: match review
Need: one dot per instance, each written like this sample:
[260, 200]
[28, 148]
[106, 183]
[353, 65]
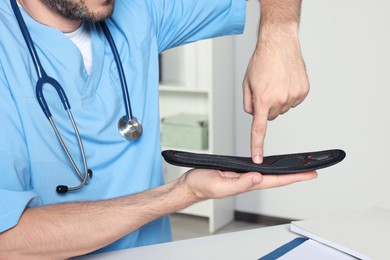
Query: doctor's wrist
[187, 192]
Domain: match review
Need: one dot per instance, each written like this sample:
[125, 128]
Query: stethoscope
[128, 125]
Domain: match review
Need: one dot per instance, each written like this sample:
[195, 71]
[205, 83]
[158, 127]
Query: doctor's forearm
[279, 24]
[280, 14]
[70, 229]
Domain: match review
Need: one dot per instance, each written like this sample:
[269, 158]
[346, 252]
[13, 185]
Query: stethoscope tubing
[27, 38]
[43, 79]
[119, 66]
[66, 149]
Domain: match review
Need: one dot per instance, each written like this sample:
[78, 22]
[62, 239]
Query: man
[125, 202]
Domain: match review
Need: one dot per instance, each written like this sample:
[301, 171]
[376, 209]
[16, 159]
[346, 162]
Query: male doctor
[126, 202]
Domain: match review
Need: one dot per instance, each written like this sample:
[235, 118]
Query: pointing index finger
[259, 129]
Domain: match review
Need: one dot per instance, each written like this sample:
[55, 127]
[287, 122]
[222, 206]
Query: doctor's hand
[204, 184]
[275, 81]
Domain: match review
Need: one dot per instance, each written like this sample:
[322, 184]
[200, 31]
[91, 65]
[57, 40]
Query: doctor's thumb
[249, 180]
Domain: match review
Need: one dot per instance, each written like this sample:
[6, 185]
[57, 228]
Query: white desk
[249, 244]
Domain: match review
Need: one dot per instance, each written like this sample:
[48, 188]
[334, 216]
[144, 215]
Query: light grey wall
[346, 45]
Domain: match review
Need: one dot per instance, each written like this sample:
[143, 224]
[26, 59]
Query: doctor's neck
[42, 13]
[67, 15]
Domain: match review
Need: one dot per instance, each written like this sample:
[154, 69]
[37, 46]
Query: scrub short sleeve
[15, 190]
[179, 22]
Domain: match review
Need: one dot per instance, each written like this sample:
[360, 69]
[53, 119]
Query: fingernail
[257, 159]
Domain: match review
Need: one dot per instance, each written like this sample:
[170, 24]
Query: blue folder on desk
[284, 249]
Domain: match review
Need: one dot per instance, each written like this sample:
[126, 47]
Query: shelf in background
[181, 88]
[198, 79]
[207, 151]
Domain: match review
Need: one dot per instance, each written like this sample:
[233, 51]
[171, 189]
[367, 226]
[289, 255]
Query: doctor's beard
[90, 10]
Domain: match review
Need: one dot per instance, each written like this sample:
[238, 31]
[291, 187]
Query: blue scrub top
[32, 162]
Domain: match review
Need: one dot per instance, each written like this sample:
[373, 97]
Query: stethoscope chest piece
[131, 129]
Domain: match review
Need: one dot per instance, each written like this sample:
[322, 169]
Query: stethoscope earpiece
[131, 129]
[64, 189]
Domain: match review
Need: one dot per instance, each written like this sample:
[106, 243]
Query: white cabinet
[198, 79]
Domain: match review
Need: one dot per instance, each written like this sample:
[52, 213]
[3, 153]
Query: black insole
[275, 164]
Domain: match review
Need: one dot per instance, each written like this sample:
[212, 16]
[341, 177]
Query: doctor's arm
[276, 78]
[70, 229]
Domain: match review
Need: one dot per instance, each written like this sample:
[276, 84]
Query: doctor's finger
[271, 181]
[298, 101]
[241, 183]
[248, 98]
[258, 132]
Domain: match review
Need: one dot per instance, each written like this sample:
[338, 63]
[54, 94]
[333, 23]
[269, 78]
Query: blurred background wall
[346, 46]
